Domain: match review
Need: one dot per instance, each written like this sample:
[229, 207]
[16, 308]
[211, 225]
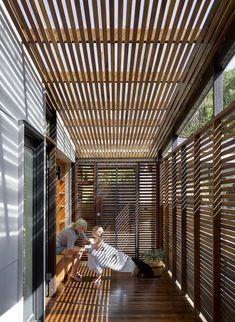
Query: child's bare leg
[75, 264]
[97, 280]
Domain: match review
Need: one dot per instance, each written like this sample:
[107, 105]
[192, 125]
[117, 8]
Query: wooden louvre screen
[106, 192]
[227, 223]
[189, 224]
[121, 197]
[197, 184]
[147, 207]
[177, 208]
[86, 196]
[206, 222]
[162, 203]
[116, 187]
[168, 213]
[126, 210]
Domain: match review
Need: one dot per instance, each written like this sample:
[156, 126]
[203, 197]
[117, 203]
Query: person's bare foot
[97, 281]
[76, 277]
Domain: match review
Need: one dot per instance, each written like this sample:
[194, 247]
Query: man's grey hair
[80, 222]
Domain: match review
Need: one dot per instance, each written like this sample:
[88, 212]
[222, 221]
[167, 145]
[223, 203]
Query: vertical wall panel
[107, 195]
[166, 211]
[126, 209]
[189, 218]
[63, 141]
[86, 193]
[178, 209]
[147, 206]
[35, 111]
[12, 80]
[21, 87]
[169, 210]
[216, 220]
[196, 222]
[227, 228]
[206, 222]
[183, 191]
[174, 222]
[162, 200]
[8, 190]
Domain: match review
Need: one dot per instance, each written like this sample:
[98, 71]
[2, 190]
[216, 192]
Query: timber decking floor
[121, 297]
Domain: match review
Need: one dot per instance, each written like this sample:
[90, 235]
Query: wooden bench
[63, 265]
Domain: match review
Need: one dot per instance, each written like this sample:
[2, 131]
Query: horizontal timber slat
[207, 190]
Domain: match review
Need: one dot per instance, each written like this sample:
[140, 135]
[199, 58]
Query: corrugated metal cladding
[21, 87]
[121, 197]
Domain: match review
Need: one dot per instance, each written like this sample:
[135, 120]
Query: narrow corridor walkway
[121, 298]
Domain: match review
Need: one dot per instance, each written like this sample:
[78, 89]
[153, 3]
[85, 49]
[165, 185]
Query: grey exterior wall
[63, 141]
[21, 99]
[9, 215]
[21, 88]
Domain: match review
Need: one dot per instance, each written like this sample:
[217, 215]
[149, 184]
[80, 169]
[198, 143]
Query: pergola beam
[164, 36]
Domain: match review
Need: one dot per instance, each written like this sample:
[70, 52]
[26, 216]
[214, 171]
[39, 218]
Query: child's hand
[92, 241]
[82, 249]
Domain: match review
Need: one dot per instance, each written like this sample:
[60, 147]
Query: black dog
[144, 270]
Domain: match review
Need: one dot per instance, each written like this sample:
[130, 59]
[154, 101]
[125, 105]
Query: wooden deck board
[121, 297]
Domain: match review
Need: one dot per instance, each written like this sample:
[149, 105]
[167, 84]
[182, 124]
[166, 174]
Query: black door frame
[35, 141]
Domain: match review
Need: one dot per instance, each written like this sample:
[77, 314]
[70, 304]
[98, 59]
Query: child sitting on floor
[101, 255]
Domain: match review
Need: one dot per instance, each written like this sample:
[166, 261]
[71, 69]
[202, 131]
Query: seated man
[65, 244]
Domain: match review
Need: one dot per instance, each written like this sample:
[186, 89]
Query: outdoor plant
[153, 256]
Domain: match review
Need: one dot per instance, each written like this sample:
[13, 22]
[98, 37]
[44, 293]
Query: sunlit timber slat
[116, 33]
[127, 130]
[197, 61]
[120, 72]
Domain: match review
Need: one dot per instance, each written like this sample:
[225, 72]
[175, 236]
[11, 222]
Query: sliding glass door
[28, 234]
[32, 251]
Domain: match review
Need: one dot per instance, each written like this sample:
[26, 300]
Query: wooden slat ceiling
[120, 71]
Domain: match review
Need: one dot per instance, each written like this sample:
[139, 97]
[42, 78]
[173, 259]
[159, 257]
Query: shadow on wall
[8, 214]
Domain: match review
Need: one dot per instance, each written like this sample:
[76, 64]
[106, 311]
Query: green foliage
[152, 255]
[205, 110]
[228, 87]
[201, 117]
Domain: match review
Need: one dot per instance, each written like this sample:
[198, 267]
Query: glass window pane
[203, 114]
[229, 83]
